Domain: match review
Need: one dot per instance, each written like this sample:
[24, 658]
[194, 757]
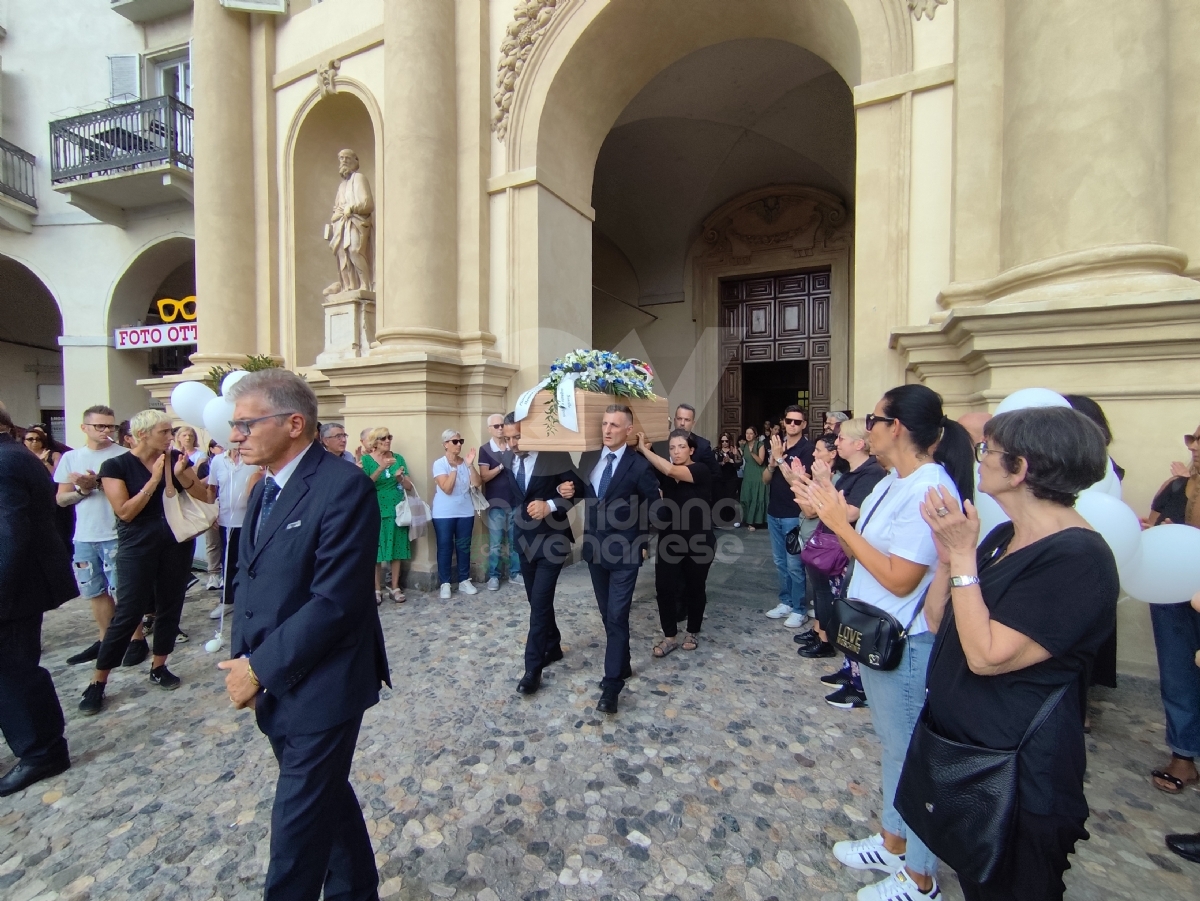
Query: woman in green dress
[754, 492]
[390, 475]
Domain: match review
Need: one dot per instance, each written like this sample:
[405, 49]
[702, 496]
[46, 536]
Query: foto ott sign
[169, 334]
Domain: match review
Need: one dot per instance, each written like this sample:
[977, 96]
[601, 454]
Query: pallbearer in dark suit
[619, 486]
[307, 644]
[544, 540]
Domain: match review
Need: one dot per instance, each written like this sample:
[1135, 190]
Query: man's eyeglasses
[102, 426]
[242, 426]
[457, 440]
[872, 419]
[498, 425]
[336, 436]
[1189, 440]
[794, 421]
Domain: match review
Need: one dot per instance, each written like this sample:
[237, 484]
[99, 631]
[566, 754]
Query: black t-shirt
[685, 508]
[150, 524]
[1060, 591]
[781, 503]
[858, 484]
[1171, 502]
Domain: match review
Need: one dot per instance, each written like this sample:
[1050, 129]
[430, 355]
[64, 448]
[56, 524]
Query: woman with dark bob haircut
[1018, 619]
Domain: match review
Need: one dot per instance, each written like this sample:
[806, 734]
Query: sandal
[665, 647]
[1178, 784]
[691, 642]
[398, 596]
[378, 597]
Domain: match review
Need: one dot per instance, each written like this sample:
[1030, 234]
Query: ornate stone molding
[804, 220]
[327, 76]
[531, 19]
[920, 8]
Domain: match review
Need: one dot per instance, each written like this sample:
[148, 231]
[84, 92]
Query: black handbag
[962, 799]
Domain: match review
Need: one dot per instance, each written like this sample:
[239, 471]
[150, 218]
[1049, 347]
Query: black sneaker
[192, 583]
[148, 624]
[181, 637]
[164, 678]
[85, 656]
[137, 652]
[93, 699]
[809, 636]
[847, 697]
[817, 651]
[841, 677]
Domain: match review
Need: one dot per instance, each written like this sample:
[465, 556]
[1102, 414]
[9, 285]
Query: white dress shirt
[530, 462]
[281, 477]
[599, 469]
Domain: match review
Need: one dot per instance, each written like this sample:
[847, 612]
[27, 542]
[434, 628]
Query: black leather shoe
[608, 701]
[24, 775]
[553, 655]
[626, 675]
[1186, 845]
[817, 651]
[530, 682]
[808, 637]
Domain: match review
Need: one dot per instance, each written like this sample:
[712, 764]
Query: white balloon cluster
[1159, 565]
[196, 404]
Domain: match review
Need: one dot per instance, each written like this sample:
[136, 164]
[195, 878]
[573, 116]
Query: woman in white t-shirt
[453, 513]
[895, 556]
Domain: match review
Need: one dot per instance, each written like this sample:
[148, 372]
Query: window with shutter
[124, 78]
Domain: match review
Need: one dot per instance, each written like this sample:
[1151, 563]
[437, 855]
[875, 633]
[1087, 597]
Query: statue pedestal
[349, 326]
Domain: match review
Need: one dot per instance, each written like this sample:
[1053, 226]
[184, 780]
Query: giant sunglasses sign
[170, 334]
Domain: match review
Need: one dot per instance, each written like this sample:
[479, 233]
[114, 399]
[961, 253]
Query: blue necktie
[606, 476]
[271, 491]
[521, 472]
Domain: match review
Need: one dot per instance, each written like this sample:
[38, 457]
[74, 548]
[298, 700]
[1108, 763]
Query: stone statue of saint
[349, 228]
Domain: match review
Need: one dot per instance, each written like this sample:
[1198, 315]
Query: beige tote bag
[187, 516]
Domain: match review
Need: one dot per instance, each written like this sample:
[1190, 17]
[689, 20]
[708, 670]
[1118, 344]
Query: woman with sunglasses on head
[895, 560]
[389, 472]
[453, 513]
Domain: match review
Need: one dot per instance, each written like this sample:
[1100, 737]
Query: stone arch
[31, 322]
[324, 124]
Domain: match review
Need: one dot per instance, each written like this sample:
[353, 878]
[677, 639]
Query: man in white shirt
[95, 556]
[230, 479]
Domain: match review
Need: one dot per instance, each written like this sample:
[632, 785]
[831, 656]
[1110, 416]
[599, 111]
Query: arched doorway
[31, 365]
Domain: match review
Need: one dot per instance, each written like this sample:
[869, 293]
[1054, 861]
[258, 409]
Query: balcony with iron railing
[18, 198]
[127, 156]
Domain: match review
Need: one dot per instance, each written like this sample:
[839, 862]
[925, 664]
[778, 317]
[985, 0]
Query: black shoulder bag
[870, 636]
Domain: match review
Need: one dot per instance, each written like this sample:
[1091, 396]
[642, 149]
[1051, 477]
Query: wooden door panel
[730, 353]
[791, 319]
[818, 383]
[791, 350]
[731, 418]
[758, 321]
[819, 282]
[820, 315]
[792, 285]
[730, 291]
[819, 348]
[731, 386]
[759, 288]
[731, 323]
[763, 352]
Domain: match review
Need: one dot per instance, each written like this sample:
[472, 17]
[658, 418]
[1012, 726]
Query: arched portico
[31, 363]
[588, 64]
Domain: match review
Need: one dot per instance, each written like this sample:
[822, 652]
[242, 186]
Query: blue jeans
[501, 522]
[791, 569]
[1176, 640]
[896, 698]
[454, 535]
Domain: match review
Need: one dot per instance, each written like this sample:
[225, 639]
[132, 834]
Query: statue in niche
[349, 229]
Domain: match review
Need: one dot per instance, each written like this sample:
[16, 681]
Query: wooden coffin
[649, 415]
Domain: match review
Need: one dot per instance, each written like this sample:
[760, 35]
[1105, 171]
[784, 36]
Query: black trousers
[541, 579]
[152, 575]
[614, 594]
[1036, 861]
[822, 594]
[680, 586]
[318, 836]
[30, 715]
[231, 537]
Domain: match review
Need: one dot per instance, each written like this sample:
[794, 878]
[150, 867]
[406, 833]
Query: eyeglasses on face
[498, 425]
[242, 426]
[37, 438]
[102, 426]
[336, 436]
[982, 450]
[169, 310]
[872, 419]
[794, 421]
[456, 441]
[386, 438]
[1189, 440]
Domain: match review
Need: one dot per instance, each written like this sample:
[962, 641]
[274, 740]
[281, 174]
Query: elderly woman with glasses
[389, 472]
[453, 513]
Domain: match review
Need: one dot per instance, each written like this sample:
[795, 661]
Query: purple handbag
[824, 553]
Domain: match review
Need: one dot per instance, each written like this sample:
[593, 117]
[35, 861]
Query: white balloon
[217, 413]
[1110, 484]
[1168, 571]
[188, 400]
[1031, 397]
[232, 379]
[213, 645]
[1117, 524]
[990, 513]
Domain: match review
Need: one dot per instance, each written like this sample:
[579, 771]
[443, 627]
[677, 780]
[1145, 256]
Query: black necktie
[521, 472]
[606, 476]
[271, 491]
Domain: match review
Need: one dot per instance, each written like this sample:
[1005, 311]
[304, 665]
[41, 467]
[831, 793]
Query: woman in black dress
[1019, 620]
[685, 539]
[729, 488]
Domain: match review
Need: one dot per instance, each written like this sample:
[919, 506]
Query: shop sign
[143, 336]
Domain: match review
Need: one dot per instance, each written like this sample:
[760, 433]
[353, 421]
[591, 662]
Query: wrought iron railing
[16, 173]
[121, 138]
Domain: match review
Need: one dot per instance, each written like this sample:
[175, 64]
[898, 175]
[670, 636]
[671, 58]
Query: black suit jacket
[702, 454]
[617, 525]
[35, 565]
[304, 598]
[550, 538]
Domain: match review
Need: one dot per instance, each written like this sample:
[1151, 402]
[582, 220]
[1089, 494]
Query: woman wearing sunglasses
[390, 475]
[45, 448]
[453, 513]
[896, 558]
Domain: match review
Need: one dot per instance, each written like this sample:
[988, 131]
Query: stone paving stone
[724, 775]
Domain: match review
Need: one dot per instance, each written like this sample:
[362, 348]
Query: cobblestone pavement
[723, 776]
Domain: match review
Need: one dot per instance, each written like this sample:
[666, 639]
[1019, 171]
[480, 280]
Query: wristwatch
[963, 581]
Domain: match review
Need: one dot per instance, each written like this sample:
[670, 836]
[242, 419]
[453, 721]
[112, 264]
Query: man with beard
[349, 228]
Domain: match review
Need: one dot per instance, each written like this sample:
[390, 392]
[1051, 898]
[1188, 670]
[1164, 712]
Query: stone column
[419, 202]
[1085, 112]
[224, 152]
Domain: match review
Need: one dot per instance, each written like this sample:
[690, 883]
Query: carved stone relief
[327, 76]
[920, 8]
[531, 18]
[806, 221]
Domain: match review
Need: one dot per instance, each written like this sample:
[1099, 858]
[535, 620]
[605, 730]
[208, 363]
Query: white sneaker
[779, 612]
[897, 887]
[737, 525]
[467, 588]
[493, 584]
[216, 611]
[213, 583]
[795, 620]
[445, 591]
[868, 854]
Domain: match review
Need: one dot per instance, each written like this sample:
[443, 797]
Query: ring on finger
[942, 511]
